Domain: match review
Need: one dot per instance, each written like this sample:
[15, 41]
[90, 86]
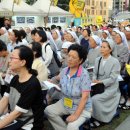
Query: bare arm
[9, 118]
[80, 107]
[82, 103]
[3, 104]
[55, 79]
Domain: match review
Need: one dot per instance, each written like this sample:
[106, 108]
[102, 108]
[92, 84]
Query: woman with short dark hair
[75, 87]
[33, 32]
[85, 40]
[23, 37]
[38, 63]
[47, 53]
[15, 38]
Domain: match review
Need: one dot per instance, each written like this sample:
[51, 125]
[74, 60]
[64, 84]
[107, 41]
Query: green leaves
[64, 4]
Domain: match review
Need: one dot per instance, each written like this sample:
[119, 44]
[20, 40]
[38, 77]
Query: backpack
[55, 56]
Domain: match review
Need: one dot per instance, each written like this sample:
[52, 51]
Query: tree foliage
[30, 2]
[64, 4]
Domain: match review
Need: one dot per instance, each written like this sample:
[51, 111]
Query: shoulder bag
[97, 88]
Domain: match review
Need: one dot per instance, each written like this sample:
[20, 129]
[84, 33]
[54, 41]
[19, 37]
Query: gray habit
[105, 104]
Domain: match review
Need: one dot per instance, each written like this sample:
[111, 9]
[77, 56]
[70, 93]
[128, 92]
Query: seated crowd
[77, 60]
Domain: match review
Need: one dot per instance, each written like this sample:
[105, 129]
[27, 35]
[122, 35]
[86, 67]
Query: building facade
[95, 8]
[120, 5]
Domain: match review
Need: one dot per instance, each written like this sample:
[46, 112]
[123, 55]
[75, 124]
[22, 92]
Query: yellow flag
[17, 2]
[71, 7]
[80, 4]
[76, 7]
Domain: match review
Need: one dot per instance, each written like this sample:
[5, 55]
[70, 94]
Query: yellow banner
[76, 7]
[80, 4]
[99, 20]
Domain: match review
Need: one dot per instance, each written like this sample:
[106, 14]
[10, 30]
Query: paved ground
[125, 125]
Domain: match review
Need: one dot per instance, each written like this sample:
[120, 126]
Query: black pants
[122, 85]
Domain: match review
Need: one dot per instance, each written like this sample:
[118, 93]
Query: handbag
[97, 88]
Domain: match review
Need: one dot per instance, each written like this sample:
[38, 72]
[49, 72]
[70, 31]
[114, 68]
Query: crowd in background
[73, 58]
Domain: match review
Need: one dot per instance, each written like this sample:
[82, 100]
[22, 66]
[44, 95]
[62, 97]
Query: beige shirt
[39, 65]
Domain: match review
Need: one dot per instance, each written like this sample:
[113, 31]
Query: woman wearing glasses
[24, 94]
[75, 87]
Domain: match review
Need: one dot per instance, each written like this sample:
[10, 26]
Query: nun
[122, 50]
[123, 37]
[57, 39]
[64, 53]
[72, 37]
[127, 33]
[105, 104]
[51, 41]
[94, 52]
[105, 35]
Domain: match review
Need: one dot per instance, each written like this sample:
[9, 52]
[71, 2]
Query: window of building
[88, 11]
[85, 10]
[62, 19]
[55, 19]
[104, 12]
[87, 2]
[96, 12]
[100, 12]
[104, 4]
[96, 3]
[93, 2]
[101, 4]
[92, 12]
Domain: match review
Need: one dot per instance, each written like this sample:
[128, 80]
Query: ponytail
[33, 71]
